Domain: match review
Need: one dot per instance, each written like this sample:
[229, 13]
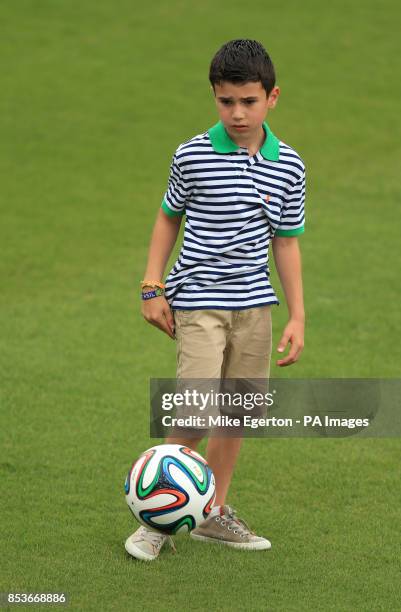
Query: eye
[249, 102]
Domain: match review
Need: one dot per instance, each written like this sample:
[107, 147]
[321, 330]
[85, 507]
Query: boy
[240, 188]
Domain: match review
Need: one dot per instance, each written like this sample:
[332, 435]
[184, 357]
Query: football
[170, 488]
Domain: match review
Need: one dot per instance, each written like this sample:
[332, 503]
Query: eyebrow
[223, 98]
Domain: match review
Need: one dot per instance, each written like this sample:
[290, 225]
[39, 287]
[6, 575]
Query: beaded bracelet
[152, 283]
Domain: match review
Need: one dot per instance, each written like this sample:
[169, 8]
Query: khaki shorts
[229, 350]
[223, 343]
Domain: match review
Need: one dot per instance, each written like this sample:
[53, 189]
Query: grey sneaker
[145, 544]
[227, 528]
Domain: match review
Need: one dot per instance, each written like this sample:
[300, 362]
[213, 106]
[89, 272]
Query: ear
[273, 97]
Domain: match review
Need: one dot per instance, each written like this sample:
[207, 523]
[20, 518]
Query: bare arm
[157, 310]
[287, 258]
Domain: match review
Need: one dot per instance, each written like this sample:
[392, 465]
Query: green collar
[222, 143]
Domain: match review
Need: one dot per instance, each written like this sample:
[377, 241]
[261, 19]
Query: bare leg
[222, 455]
[189, 442]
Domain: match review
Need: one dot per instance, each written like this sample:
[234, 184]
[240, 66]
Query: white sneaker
[145, 544]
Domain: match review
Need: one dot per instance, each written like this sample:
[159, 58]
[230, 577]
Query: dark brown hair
[242, 61]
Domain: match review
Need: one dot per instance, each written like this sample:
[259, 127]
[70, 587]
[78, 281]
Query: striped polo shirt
[233, 205]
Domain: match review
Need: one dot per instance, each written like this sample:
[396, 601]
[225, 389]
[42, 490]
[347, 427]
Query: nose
[238, 113]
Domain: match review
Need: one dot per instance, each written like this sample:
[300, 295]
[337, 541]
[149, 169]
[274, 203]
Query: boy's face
[244, 105]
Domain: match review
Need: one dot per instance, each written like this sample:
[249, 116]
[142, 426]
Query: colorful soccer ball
[170, 488]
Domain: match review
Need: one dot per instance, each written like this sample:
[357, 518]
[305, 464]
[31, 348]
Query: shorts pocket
[181, 316]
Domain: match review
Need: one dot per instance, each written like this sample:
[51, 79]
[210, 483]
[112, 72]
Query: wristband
[152, 283]
[148, 295]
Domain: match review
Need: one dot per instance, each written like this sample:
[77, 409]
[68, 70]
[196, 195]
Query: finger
[283, 343]
[292, 356]
[170, 332]
[166, 328]
[299, 347]
[162, 325]
[170, 319]
[282, 363]
[299, 352]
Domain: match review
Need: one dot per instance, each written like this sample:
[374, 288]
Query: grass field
[95, 98]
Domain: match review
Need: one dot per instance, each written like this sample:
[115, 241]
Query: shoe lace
[157, 538]
[239, 524]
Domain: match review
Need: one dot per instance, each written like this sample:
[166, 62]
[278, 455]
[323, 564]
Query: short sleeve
[292, 218]
[177, 191]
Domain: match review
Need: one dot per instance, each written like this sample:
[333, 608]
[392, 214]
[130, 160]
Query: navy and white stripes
[234, 204]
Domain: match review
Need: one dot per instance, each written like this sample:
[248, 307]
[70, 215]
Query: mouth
[239, 127]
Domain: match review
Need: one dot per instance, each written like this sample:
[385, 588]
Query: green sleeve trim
[292, 232]
[171, 213]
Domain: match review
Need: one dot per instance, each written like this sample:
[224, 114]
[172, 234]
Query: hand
[294, 334]
[157, 312]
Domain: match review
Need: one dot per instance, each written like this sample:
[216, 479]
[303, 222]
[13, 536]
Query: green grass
[95, 98]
